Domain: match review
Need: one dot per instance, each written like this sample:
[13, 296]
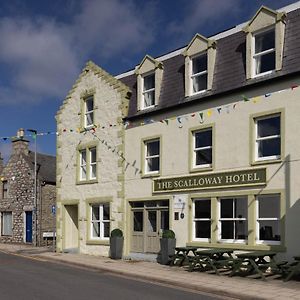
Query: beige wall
[232, 150]
[108, 99]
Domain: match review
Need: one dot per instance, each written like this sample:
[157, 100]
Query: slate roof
[46, 166]
[229, 73]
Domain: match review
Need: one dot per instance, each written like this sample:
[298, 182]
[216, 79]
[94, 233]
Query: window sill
[199, 169]
[89, 128]
[97, 242]
[87, 182]
[150, 175]
[266, 162]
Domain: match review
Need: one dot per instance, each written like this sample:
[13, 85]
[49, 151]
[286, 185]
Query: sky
[44, 45]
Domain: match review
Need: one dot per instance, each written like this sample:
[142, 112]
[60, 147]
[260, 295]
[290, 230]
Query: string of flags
[201, 115]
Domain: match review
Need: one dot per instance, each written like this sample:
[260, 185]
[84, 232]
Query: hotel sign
[240, 178]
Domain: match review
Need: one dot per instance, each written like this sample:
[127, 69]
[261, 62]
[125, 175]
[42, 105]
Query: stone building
[208, 146]
[23, 221]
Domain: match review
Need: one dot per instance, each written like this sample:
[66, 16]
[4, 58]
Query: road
[27, 278]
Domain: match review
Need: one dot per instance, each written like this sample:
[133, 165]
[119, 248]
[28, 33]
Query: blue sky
[45, 44]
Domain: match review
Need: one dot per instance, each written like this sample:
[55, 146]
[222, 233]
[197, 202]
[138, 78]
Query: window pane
[89, 119]
[202, 229]
[269, 230]
[93, 155]
[269, 206]
[269, 147]
[106, 229]
[83, 172]
[89, 104]
[83, 157]
[202, 209]
[203, 138]
[152, 148]
[241, 208]
[95, 213]
[227, 229]
[93, 171]
[203, 157]
[199, 83]
[164, 219]
[153, 164]
[199, 64]
[227, 208]
[264, 41]
[149, 82]
[7, 223]
[241, 230]
[96, 229]
[106, 212]
[137, 204]
[265, 63]
[152, 220]
[269, 126]
[138, 219]
[149, 98]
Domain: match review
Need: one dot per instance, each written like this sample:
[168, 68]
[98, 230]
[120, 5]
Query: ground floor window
[268, 218]
[100, 221]
[6, 223]
[202, 219]
[233, 219]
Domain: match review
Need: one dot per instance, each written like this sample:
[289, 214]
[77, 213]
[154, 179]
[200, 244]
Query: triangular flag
[245, 98]
[209, 112]
[219, 109]
[201, 117]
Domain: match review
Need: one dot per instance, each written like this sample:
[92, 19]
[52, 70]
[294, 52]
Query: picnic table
[292, 269]
[211, 258]
[182, 254]
[255, 261]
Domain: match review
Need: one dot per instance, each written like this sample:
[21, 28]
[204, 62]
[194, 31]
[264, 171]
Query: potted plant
[116, 242]
[167, 246]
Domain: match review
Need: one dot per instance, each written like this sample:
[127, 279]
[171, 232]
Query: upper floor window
[100, 221]
[152, 156]
[89, 111]
[264, 52]
[268, 137]
[202, 148]
[4, 189]
[199, 73]
[88, 164]
[148, 90]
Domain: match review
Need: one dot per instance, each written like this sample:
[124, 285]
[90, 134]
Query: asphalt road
[26, 278]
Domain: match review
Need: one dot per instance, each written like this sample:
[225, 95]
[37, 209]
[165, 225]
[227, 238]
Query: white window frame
[200, 219]
[146, 157]
[101, 221]
[143, 104]
[268, 242]
[3, 213]
[192, 76]
[88, 112]
[92, 163]
[255, 56]
[82, 165]
[257, 139]
[232, 241]
[195, 150]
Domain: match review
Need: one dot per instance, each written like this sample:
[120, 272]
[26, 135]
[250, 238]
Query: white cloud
[43, 57]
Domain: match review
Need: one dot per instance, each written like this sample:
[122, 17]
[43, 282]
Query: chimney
[19, 144]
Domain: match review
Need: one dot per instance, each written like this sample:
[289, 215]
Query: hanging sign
[250, 177]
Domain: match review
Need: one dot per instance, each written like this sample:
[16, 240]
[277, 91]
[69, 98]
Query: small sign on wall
[179, 202]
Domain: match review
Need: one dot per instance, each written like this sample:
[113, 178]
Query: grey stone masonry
[17, 197]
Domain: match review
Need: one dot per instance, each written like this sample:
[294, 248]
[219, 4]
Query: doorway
[28, 226]
[71, 232]
[149, 219]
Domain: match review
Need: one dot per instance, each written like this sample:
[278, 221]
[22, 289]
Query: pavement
[234, 287]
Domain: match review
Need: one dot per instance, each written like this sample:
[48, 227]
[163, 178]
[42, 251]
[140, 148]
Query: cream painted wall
[107, 102]
[232, 149]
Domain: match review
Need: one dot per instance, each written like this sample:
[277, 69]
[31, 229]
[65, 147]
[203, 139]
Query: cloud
[202, 14]
[5, 150]
[42, 57]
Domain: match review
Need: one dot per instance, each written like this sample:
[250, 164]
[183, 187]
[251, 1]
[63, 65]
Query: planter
[116, 247]
[167, 250]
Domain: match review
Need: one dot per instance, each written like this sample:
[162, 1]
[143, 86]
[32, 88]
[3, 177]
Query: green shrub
[169, 234]
[116, 233]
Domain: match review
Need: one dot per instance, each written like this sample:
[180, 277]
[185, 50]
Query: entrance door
[28, 226]
[71, 233]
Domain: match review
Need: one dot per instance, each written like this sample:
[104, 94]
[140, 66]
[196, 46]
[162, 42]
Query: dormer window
[149, 78]
[264, 52]
[264, 42]
[200, 57]
[199, 73]
[149, 90]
